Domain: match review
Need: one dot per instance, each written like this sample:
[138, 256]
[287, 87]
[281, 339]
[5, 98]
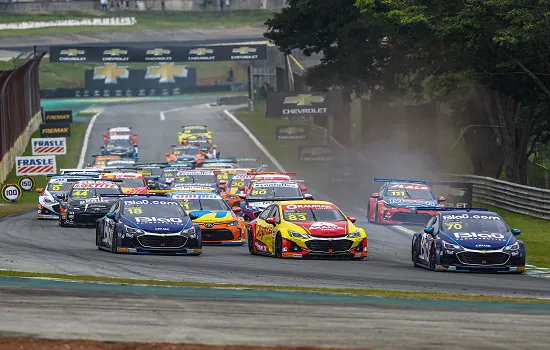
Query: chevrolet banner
[158, 53]
[298, 104]
[315, 154]
[59, 129]
[58, 116]
[292, 132]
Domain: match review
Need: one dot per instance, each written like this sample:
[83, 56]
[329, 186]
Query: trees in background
[496, 51]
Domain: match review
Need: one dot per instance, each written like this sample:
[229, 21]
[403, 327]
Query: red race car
[131, 183]
[397, 201]
[120, 133]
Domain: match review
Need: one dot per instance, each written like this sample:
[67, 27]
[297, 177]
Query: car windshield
[169, 173]
[234, 183]
[133, 183]
[275, 191]
[59, 186]
[120, 132]
[118, 143]
[170, 209]
[192, 204]
[195, 130]
[473, 223]
[310, 214]
[195, 179]
[415, 192]
[93, 190]
[188, 151]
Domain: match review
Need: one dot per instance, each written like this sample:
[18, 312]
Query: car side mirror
[516, 231]
[352, 219]
[236, 209]
[375, 195]
[441, 199]
[429, 230]
[167, 154]
[111, 215]
[215, 146]
[104, 135]
[242, 195]
[308, 196]
[271, 221]
[241, 188]
[39, 190]
[303, 188]
[193, 216]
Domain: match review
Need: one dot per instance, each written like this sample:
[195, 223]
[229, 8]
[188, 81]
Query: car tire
[62, 222]
[375, 218]
[250, 240]
[368, 213]
[97, 237]
[415, 253]
[432, 257]
[278, 246]
[114, 243]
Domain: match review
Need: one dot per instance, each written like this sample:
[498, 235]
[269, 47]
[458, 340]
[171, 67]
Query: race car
[101, 161]
[48, 201]
[119, 133]
[218, 222]
[397, 200]
[263, 193]
[148, 225]
[122, 148]
[182, 153]
[465, 240]
[301, 229]
[130, 183]
[85, 202]
[198, 131]
[195, 178]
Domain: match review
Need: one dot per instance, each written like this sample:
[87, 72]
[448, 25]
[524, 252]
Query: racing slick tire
[368, 213]
[62, 222]
[114, 243]
[278, 246]
[375, 218]
[415, 254]
[432, 258]
[97, 237]
[218, 155]
[250, 240]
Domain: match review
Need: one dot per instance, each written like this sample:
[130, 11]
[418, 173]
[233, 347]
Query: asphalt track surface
[31, 245]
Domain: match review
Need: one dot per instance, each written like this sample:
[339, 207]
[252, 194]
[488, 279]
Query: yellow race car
[194, 132]
[306, 228]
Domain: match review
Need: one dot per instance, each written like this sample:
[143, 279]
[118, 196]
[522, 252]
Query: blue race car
[120, 147]
[148, 225]
[466, 240]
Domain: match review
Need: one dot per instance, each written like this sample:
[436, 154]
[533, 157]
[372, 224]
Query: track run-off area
[28, 244]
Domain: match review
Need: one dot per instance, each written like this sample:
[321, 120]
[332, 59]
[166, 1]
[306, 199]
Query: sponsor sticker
[158, 220]
[149, 202]
[309, 206]
[35, 165]
[275, 184]
[195, 172]
[95, 185]
[468, 216]
[49, 146]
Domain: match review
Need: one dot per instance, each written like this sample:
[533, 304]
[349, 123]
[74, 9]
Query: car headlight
[298, 234]
[514, 246]
[190, 231]
[234, 223]
[355, 234]
[132, 230]
[447, 245]
[49, 200]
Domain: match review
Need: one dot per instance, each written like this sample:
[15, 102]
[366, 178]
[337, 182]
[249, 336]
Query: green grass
[147, 20]
[70, 160]
[346, 291]
[71, 75]
[534, 232]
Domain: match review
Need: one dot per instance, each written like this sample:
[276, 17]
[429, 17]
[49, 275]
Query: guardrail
[521, 199]
[20, 113]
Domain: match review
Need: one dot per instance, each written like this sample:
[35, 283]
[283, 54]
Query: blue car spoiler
[451, 209]
[397, 180]
[75, 175]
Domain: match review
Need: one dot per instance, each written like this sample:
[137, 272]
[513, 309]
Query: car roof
[263, 182]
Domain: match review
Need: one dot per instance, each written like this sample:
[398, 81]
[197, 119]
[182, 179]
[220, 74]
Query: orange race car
[101, 161]
[131, 183]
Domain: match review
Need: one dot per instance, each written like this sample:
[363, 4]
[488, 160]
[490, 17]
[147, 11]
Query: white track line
[163, 113]
[404, 229]
[85, 144]
[256, 141]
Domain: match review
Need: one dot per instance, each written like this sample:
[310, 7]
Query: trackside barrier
[521, 199]
[20, 113]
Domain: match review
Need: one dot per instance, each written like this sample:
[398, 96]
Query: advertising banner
[315, 154]
[292, 132]
[158, 53]
[35, 165]
[292, 104]
[58, 116]
[49, 146]
[55, 129]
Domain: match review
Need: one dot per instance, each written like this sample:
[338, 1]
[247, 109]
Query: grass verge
[347, 291]
[72, 75]
[69, 160]
[147, 20]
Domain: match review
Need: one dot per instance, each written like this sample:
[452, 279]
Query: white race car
[48, 202]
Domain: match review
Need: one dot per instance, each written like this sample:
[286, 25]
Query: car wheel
[250, 240]
[114, 243]
[278, 246]
[415, 254]
[375, 218]
[97, 237]
[432, 258]
[368, 213]
[62, 222]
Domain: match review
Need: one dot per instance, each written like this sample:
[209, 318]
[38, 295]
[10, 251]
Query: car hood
[261, 205]
[96, 200]
[410, 202]
[158, 223]
[324, 228]
[479, 240]
[212, 216]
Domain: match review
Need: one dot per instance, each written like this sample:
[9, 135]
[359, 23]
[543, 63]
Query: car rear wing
[291, 174]
[450, 209]
[75, 175]
[181, 190]
[78, 170]
[232, 160]
[397, 180]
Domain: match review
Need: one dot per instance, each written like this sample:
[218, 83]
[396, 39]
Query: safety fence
[20, 112]
[521, 199]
